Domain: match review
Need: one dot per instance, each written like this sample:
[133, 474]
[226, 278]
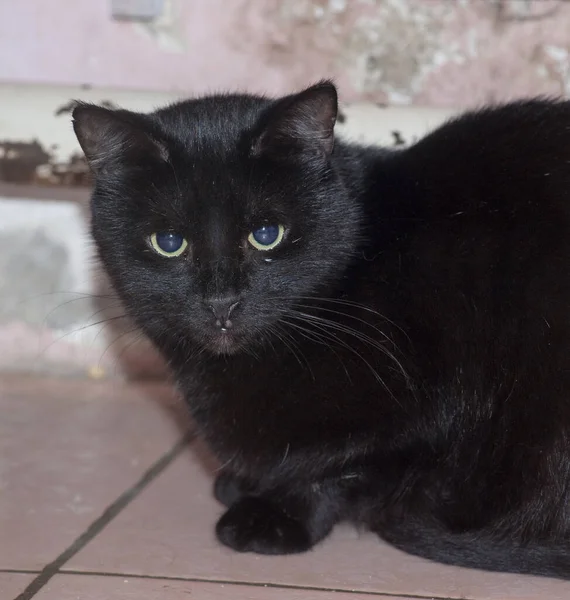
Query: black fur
[402, 361]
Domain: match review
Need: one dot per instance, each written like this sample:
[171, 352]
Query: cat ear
[111, 138]
[301, 122]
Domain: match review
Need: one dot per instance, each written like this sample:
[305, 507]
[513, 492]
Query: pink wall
[434, 52]
[77, 42]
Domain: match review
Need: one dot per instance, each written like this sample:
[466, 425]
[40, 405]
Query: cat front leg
[284, 520]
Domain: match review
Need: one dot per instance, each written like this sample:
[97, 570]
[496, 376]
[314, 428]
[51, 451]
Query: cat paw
[228, 489]
[256, 525]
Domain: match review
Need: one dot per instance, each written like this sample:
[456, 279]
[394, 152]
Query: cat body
[361, 334]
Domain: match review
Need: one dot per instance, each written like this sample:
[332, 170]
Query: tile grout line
[281, 586]
[105, 518]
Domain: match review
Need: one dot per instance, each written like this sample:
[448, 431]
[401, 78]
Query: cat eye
[168, 244]
[266, 237]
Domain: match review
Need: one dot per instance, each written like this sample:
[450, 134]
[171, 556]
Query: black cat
[379, 336]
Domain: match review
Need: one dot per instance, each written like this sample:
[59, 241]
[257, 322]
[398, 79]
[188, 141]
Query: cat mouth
[224, 342]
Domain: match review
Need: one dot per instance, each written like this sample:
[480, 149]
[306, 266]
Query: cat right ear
[110, 138]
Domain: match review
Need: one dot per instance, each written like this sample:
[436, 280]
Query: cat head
[215, 216]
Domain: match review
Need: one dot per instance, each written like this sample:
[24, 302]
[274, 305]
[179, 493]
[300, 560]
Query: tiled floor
[104, 495]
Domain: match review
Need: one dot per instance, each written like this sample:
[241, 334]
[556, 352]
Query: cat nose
[222, 309]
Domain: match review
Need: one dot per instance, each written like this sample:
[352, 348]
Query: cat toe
[255, 525]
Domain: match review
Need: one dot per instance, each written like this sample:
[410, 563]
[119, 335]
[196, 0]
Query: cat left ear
[110, 138]
[301, 122]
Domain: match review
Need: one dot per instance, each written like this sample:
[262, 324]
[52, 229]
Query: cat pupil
[169, 242]
[266, 235]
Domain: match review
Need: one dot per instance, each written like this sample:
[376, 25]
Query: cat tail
[480, 550]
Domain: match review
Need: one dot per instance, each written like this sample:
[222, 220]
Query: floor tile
[68, 449]
[85, 587]
[12, 584]
[168, 531]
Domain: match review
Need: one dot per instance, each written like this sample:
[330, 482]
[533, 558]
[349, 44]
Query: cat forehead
[211, 119]
[203, 186]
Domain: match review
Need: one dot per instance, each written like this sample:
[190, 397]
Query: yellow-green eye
[266, 237]
[168, 244]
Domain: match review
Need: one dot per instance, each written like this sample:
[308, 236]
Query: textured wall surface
[428, 52]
